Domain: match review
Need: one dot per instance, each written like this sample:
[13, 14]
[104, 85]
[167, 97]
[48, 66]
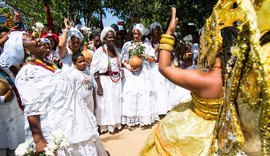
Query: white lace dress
[11, 121]
[139, 96]
[52, 97]
[108, 109]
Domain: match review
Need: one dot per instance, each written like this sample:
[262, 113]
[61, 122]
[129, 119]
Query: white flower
[57, 136]
[22, 149]
[52, 146]
[130, 48]
[64, 143]
[49, 152]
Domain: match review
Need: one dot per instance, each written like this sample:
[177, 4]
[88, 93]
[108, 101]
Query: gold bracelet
[164, 40]
[168, 36]
[167, 47]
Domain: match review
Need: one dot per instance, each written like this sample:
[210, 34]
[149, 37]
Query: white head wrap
[153, 25]
[45, 40]
[74, 32]
[13, 53]
[105, 31]
[139, 27]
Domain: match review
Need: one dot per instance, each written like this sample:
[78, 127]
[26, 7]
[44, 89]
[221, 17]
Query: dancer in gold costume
[190, 128]
[243, 126]
[245, 119]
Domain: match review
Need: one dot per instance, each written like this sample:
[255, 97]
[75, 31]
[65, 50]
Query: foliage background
[195, 11]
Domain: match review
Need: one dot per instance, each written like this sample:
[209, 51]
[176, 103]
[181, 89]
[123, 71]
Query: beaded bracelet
[64, 30]
[164, 40]
[167, 39]
[167, 47]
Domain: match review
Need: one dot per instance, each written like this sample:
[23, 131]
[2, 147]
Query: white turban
[45, 40]
[105, 31]
[153, 25]
[13, 53]
[74, 32]
[139, 27]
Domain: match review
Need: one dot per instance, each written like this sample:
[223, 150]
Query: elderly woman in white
[106, 67]
[139, 97]
[50, 102]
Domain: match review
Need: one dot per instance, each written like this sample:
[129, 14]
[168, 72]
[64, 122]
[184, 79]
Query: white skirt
[86, 148]
[162, 88]
[11, 125]
[139, 99]
[178, 95]
[108, 109]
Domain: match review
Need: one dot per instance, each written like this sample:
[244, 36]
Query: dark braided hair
[229, 39]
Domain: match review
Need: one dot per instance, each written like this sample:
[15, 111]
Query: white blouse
[52, 97]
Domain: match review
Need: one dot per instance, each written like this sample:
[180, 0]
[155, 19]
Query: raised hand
[173, 23]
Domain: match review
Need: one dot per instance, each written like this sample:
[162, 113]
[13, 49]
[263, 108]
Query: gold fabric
[182, 132]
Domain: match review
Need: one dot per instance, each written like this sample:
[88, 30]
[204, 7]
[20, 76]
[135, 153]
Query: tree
[74, 10]
[195, 11]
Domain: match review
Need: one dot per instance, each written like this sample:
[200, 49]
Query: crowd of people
[85, 85]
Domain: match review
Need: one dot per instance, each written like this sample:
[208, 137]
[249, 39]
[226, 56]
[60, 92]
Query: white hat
[153, 25]
[74, 32]
[139, 27]
[105, 31]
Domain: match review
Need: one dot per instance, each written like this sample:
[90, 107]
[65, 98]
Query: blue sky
[110, 19]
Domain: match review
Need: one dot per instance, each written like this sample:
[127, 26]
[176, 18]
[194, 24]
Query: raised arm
[196, 81]
[5, 38]
[62, 42]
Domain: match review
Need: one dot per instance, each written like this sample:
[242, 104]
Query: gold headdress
[248, 83]
[225, 13]
[263, 12]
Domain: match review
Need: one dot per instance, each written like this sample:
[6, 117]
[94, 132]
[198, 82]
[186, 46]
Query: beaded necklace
[40, 63]
[114, 76]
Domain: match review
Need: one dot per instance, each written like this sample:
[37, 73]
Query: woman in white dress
[162, 85]
[51, 104]
[106, 67]
[139, 97]
[11, 116]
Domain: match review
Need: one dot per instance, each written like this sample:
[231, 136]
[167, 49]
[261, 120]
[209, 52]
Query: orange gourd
[135, 62]
[86, 54]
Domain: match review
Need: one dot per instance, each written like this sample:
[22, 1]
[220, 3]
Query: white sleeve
[95, 62]
[33, 90]
[150, 51]
[125, 52]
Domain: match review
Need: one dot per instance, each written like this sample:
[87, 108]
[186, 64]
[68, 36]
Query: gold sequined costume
[186, 130]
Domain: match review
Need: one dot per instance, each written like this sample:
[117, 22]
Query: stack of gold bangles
[167, 42]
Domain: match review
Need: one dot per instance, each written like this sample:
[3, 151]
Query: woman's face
[96, 41]
[74, 44]
[81, 63]
[137, 36]
[48, 47]
[109, 39]
[52, 41]
[156, 31]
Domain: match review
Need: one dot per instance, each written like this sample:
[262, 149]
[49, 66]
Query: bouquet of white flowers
[59, 141]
